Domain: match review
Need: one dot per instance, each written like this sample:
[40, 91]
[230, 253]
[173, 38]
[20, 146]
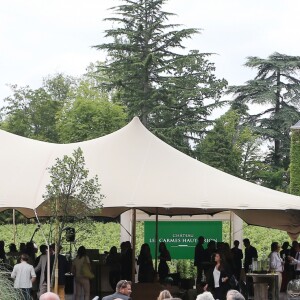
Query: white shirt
[216, 274]
[296, 261]
[23, 273]
[276, 262]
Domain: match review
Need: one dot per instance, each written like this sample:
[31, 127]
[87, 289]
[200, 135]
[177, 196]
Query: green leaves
[153, 78]
[70, 192]
[295, 163]
[276, 86]
[89, 115]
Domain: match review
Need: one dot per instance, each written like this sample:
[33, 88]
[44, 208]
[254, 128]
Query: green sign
[181, 237]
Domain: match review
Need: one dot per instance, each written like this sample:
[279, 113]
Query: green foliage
[63, 110]
[219, 149]
[88, 115]
[261, 238]
[70, 193]
[276, 85]
[186, 268]
[7, 290]
[230, 146]
[32, 113]
[295, 163]
[149, 74]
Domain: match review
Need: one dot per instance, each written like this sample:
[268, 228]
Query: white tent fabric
[136, 169]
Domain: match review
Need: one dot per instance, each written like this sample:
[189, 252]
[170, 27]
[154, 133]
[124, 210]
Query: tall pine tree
[153, 78]
[276, 87]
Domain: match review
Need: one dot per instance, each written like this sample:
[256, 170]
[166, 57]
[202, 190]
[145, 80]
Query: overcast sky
[42, 37]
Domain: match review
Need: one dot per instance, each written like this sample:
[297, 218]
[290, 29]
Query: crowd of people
[222, 267]
[123, 292]
[219, 268]
[121, 263]
[29, 270]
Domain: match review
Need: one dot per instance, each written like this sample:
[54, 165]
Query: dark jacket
[250, 253]
[63, 268]
[225, 271]
[199, 257]
[116, 296]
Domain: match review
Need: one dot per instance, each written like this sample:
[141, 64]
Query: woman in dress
[164, 256]
[82, 283]
[146, 270]
[113, 260]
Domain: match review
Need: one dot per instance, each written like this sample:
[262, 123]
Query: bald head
[234, 295]
[49, 296]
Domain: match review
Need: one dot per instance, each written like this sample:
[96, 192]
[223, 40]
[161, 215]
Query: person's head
[49, 296]
[211, 245]
[168, 282]
[113, 250]
[43, 249]
[165, 294]
[24, 257]
[162, 247]
[285, 245]
[123, 247]
[275, 247]
[218, 258]
[236, 243]
[205, 296]
[201, 240]
[52, 249]
[124, 287]
[81, 251]
[22, 247]
[234, 295]
[13, 247]
[30, 246]
[246, 242]
[294, 244]
[128, 245]
[145, 249]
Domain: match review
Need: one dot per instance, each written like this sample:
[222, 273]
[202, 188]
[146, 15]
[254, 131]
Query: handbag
[86, 271]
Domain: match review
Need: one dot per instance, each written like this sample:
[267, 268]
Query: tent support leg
[133, 241]
[156, 238]
[48, 253]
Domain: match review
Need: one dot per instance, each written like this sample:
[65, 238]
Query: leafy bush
[7, 290]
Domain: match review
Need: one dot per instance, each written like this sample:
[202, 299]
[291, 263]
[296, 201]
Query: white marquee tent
[138, 170]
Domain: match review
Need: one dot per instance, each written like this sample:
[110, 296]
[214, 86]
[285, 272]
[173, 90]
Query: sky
[43, 37]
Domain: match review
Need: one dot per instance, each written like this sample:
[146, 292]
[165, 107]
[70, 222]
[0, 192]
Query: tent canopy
[138, 170]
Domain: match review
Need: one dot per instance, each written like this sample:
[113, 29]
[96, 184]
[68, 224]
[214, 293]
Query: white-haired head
[49, 296]
[205, 296]
[234, 295]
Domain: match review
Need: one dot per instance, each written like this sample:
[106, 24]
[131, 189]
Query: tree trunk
[277, 155]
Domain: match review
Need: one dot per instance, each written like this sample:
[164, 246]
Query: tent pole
[230, 229]
[133, 241]
[156, 238]
[48, 252]
[14, 225]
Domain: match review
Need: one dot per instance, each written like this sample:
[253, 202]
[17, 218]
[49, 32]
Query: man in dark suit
[250, 253]
[123, 291]
[199, 258]
[237, 255]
